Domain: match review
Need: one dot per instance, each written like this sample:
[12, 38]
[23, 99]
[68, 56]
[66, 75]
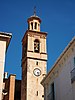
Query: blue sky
[58, 20]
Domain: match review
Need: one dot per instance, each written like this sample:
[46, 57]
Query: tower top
[34, 17]
[34, 22]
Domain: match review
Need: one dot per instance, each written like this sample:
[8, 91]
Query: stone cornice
[37, 58]
[4, 36]
[33, 33]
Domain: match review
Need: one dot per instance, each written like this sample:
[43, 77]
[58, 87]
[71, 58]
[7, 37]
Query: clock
[37, 72]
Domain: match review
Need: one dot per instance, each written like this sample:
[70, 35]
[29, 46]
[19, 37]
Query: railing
[73, 75]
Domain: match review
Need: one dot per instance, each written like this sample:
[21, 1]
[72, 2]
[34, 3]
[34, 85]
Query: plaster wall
[64, 89]
[63, 86]
[2, 62]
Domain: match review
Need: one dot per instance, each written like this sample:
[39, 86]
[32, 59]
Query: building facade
[59, 83]
[34, 60]
[4, 42]
[10, 88]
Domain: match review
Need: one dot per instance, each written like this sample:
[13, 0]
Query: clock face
[37, 72]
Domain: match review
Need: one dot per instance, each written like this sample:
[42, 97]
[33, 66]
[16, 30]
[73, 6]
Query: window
[37, 93]
[43, 96]
[31, 25]
[51, 95]
[37, 63]
[35, 25]
[36, 46]
[39, 26]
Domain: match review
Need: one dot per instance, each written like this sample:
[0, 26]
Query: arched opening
[32, 25]
[36, 46]
[35, 25]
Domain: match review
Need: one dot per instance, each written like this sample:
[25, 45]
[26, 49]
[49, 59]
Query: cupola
[34, 23]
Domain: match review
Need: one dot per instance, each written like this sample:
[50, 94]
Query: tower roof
[34, 17]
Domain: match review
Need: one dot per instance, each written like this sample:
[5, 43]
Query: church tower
[34, 60]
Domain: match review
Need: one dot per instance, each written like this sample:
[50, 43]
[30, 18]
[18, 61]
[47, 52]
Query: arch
[36, 46]
[32, 25]
[35, 25]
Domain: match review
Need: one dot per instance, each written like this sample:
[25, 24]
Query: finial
[34, 10]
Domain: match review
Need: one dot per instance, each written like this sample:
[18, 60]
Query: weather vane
[34, 10]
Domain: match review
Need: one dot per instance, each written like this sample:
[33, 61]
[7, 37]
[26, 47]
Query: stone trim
[37, 58]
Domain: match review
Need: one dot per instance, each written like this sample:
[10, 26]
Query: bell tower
[34, 60]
